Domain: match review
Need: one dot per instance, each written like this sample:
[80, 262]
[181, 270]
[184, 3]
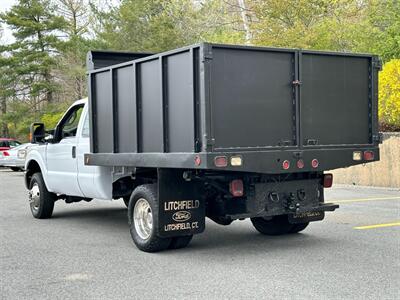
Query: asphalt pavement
[85, 252]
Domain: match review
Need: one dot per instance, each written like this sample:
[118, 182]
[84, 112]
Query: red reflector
[236, 188]
[197, 160]
[315, 163]
[328, 180]
[220, 161]
[368, 155]
[286, 164]
[5, 153]
[300, 164]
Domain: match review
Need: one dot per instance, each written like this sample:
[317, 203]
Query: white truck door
[94, 181]
[61, 159]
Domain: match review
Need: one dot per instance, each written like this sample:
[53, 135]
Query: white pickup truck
[209, 130]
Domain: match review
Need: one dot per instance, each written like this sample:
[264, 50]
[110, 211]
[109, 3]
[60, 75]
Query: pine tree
[36, 28]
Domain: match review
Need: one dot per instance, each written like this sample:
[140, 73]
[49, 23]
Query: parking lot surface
[85, 252]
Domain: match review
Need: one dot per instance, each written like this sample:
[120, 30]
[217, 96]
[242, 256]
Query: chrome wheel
[34, 196]
[143, 218]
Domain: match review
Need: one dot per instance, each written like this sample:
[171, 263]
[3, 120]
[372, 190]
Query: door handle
[73, 151]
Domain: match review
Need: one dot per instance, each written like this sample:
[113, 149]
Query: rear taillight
[220, 161]
[236, 188]
[328, 180]
[368, 155]
[5, 153]
[315, 163]
[300, 164]
[197, 160]
[286, 164]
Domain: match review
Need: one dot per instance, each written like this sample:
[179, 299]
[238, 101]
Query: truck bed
[186, 107]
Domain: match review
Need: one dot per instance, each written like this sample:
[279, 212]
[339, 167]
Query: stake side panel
[103, 118]
[126, 110]
[151, 125]
[180, 106]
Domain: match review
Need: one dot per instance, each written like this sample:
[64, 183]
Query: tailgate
[252, 101]
[262, 98]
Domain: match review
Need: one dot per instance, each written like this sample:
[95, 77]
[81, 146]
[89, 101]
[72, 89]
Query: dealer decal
[181, 216]
[181, 205]
[182, 226]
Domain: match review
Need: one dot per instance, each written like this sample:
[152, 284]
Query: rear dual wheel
[143, 221]
[277, 225]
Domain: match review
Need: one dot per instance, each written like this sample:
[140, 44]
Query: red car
[7, 143]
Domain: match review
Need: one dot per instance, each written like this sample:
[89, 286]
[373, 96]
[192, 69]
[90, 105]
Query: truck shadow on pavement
[245, 239]
[238, 237]
[115, 217]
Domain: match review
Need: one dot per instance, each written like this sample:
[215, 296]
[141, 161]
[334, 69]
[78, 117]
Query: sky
[4, 6]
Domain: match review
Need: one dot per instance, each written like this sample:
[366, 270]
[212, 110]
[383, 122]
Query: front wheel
[40, 199]
[143, 219]
[276, 225]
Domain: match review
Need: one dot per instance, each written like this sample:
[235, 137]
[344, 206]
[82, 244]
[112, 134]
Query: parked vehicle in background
[8, 143]
[14, 158]
[218, 131]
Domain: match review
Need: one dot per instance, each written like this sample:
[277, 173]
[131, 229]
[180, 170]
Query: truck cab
[59, 157]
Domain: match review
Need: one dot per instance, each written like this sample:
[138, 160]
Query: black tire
[152, 243]
[298, 227]
[180, 242]
[15, 169]
[43, 207]
[126, 200]
[277, 225]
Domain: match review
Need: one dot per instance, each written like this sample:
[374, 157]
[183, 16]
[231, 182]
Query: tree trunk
[3, 125]
[49, 92]
[245, 20]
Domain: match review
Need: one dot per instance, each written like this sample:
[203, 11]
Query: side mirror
[49, 136]
[37, 133]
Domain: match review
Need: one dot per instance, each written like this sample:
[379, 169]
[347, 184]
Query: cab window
[85, 128]
[69, 125]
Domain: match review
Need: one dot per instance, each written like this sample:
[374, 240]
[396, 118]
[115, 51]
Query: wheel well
[32, 168]
[124, 186]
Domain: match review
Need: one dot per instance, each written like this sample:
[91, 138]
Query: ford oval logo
[181, 216]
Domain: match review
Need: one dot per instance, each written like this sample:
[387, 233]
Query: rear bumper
[308, 212]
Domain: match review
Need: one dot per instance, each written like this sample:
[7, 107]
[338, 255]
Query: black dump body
[184, 108]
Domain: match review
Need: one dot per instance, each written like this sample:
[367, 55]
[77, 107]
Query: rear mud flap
[181, 210]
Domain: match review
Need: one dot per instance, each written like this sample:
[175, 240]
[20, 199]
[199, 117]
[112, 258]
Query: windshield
[14, 144]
